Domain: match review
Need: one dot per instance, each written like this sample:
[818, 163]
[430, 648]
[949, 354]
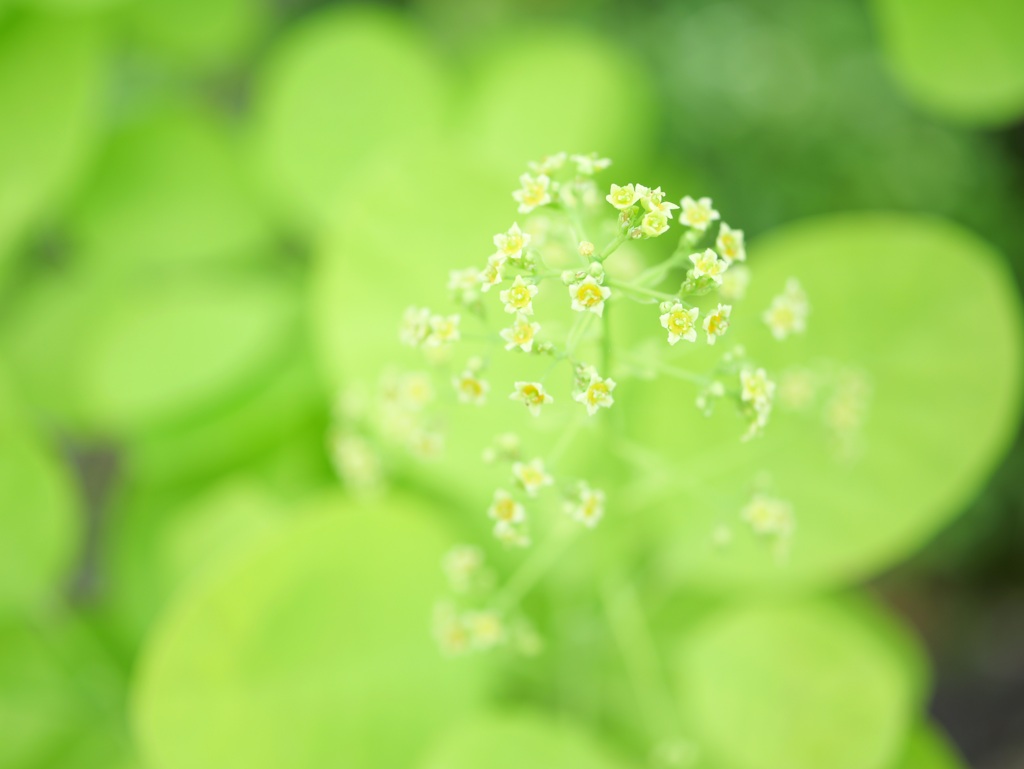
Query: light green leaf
[914, 340]
[961, 60]
[309, 649]
[540, 92]
[342, 86]
[168, 192]
[60, 700]
[801, 686]
[163, 354]
[518, 740]
[51, 79]
[37, 517]
[203, 35]
[927, 748]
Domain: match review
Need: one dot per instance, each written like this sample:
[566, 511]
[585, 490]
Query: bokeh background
[185, 186]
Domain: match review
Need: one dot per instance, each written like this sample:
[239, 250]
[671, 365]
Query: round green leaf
[196, 34]
[801, 686]
[60, 701]
[342, 85]
[51, 79]
[168, 191]
[163, 354]
[927, 748]
[539, 93]
[963, 60]
[922, 318]
[38, 520]
[516, 740]
[311, 648]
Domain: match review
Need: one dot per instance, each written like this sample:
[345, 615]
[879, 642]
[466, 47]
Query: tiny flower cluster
[561, 213]
[465, 622]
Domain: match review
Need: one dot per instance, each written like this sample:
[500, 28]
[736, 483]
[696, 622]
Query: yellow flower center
[729, 245]
[532, 394]
[589, 294]
[680, 323]
[472, 387]
[623, 196]
[513, 243]
[505, 509]
[523, 333]
[717, 324]
[597, 393]
[533, 193]
[519, 296]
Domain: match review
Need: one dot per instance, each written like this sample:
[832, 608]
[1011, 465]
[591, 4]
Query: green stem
[608, 250]
[640, 655]
[534, 568]
[641, 291]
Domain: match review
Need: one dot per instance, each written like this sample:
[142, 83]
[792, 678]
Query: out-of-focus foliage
[326, 619]
[964, 60]
[211, 217]
[857, 436]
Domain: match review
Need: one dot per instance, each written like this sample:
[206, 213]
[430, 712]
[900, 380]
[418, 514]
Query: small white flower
[768, 516]
[756, 389]
[588, 165]
[519, 297]
[413, 391]
[464, 285]
[521, 334]
[443, 330]
[532, 395]
[486, 630]
[510, 244]
[590, 295]
[622, 197]
[654, 224]
[717, 323]
[470, 389]
[697, 213]
[681, 323]
[491, 274]
[585, 249]
[586, 506]
[734, 283]
[548, 164]
[415, 326]
[654, 201]
[531, 476]
[505, 508]
[730, 244]
[788, 311]
[597, 394]
[707, 263]
[357, 462]
[450, 631]
[426, 444]
[535, 191]
[462, 565]
[511, 534]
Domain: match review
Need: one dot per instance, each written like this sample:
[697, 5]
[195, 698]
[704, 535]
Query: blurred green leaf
[343, 85]
[201, 35]
[923, 317]
[516, 740]
[164, 353]
[168, 192]
[928, 749]
[37, 517]
[962, 60]
[546, 90]
[60, 699]
[51, 90]
[309, 650]
[801, 686]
